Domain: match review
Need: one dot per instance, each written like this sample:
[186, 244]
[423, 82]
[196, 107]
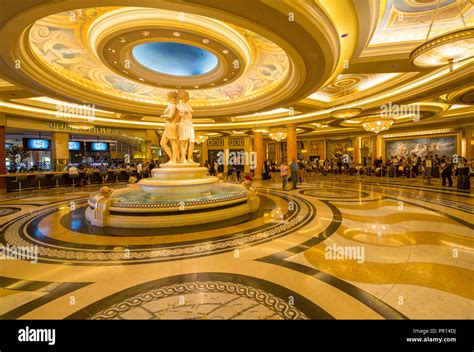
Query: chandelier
[377, 124]
[444, 49]
[278, 134]
[199, 139]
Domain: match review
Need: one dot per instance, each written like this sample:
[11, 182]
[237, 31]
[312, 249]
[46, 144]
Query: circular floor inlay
[62, 235]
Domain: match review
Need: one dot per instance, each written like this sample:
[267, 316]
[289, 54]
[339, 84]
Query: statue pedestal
[175, 181]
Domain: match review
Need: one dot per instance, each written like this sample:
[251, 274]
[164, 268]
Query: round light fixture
[377, 124]
[278, 134]
[345, 113]
[176, 34]
[200, 138]
[444, 49]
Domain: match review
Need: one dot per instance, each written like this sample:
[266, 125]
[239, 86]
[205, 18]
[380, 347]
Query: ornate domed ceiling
[249, 65]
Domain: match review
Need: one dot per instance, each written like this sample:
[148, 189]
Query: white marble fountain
[176, 195]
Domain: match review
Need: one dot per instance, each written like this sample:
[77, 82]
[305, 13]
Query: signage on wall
[215, 142]
[66, 127]
[236, 141]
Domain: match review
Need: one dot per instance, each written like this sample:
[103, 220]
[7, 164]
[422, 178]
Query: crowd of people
[427, 168]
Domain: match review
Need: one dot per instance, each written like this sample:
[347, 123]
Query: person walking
[446, 168]
[294, 173]
[284, 175]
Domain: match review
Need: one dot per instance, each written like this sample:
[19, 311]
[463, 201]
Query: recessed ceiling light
[111, 50]
[212, 84]
[122, 40]
[176, 34]
[145, 33]
[196, 86]
[114, 62]
[225, 51]
[141, 79]
[225, 79]
[205, 41]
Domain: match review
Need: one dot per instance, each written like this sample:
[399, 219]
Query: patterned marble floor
[336, 248]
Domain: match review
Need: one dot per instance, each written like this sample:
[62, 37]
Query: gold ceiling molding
[304, 41]
[461, 96]
[64, 53]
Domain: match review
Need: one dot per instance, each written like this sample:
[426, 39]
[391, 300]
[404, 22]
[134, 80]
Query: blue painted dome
[175, 58]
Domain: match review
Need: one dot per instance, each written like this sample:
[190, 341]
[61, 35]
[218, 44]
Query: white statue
[170, 134]
[186, 129]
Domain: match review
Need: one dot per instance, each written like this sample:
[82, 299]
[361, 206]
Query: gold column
[204, 155]
[355, 153]
[59, 150]
[3, 165]
[278, 153]
[247, 150]
[468, 133]
[291, 144]
[258, 148]
[226, 155]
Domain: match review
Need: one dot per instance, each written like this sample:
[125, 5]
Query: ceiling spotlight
[176, 34]
[145, 33]
[225, 51]
[122, 40]
[212, 84]
[205, 41]
[141, 79]
[196, 86]
[225, 79]
[111, 50]
[114, 62]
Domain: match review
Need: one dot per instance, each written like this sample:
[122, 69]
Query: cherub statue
[186, 129]
[171, 116]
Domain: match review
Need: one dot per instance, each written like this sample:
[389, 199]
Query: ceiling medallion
[445, 49]
[278, 134]
[377, 124]
[345, 113]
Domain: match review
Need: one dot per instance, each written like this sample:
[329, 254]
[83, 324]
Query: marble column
[3, 164]
[291, 144]
[247, 151]
[258, 148]
[468, 133]
[59, 150]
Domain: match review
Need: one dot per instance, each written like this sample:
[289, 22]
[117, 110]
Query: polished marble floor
[338, 247]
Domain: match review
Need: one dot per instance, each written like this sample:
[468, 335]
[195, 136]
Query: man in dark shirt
[294, 172]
